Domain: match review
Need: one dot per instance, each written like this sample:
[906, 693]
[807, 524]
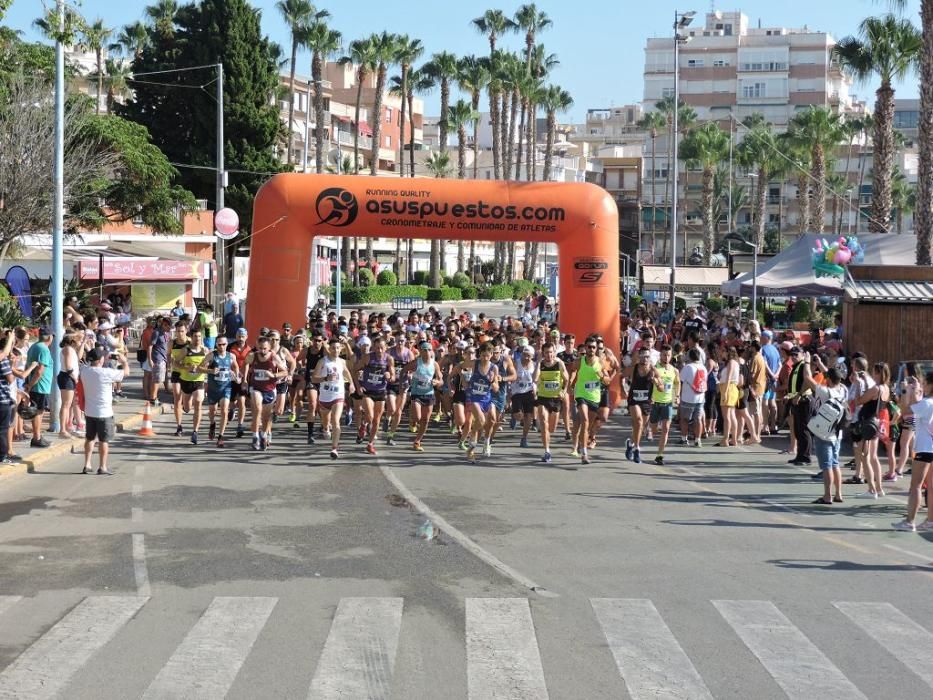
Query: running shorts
[551, 404]
[661, 412]
[523, 403]
[216, 394]
[190, 387]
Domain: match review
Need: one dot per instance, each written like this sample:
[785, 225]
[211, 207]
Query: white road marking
[907, 641]
[140, 570]
[359, 654]
[922, 557]
[649, 658]
[136, 515]
[802, 670]
[45, 668]
[8, 601]
[502, 650]
[208, 659]
[137, 490]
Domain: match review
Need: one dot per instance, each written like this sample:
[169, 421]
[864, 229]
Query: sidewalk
[127, 416]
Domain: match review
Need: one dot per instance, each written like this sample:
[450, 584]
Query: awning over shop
[689, 279]
[892, 292]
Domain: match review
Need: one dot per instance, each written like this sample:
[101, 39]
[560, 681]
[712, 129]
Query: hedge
[420, 277]
[459, 279]
[386, 278]
[469, 293]
[444, 294]
[714, 304]
[367, 278]
[497, 291]
[521, 288]
[382, 295]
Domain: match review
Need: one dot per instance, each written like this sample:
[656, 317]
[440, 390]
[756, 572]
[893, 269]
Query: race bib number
[262, 374]
[640, 395]
[375, 377]
[551, 386]
[481, 390]
[590, 386]
[668, 387]
[421, 383]
[523, 387]
[331, 388]
[223, 375]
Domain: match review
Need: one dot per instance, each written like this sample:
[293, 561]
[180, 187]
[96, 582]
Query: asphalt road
[202, 573]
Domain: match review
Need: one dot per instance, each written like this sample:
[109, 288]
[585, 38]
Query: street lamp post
[628, 261]
[58, 215]
[681, 21]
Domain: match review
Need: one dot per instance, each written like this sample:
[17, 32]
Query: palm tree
[297, 15]
[836, 185]
[759, 151]
[686, 118]
[438, 164]
[652, 122]
[822, 130]
[904, 197]
[923, 222]
[493, 24]
[705, 147]
[362, 54]
[541, 65]
[514, 76]
[799, 155]
[162, 15]
[888, 48]
[132, 40]
[323, 43]
[94, 37]
[443, 68]
[385, 46]
[459, 116]
[472, 78]
[532, 21]
[409, 51]
[116, 80]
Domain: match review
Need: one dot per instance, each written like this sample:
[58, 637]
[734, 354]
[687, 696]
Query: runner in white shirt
[692, 398]
[334, 378]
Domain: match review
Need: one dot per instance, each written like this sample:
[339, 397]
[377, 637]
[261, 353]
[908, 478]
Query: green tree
[460, 115]
[298, 14]
[4, 6]
[182, 117]
[408, 51]
[686, 118]
[131, 40]
[903, 197]
[94, 37]
[821, 130]
[386, 46]
[438, 164]
[705, 147]
[362, 55]
[887, 48]
[493, 24]
[759, 151]
[443, 68]
[161, 16]
[323, 42]
[473, 78]
[532, 21]
[116, 81]
[653, 122]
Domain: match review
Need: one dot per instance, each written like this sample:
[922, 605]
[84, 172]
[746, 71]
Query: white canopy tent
[790, 273]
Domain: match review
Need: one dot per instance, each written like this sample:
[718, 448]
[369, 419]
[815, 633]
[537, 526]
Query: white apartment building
[726, 65]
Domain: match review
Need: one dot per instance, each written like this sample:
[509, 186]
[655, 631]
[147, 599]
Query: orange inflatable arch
[290, 209]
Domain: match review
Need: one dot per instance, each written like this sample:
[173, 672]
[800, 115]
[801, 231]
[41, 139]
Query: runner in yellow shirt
[666, 384]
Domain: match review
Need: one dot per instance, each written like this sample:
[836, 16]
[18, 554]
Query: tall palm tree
[94, 37]
[297, 15]
[438, 164]
[132, 40]
[460, 115]
[323, 42]
[652, 122]
[759, 151]
[887, 48]
[493, 24]
[541, 65]
[822, 130]
[903, 196]
[473, 78]
[923, 222]
[162, 15]
[532, 21]
[836, 186]
[386, 52]
[420, 83]
[409, 51]
[362, 54]
[443, 67]
[799, 154]
[116, 81]
[686, 118]
[705, 147]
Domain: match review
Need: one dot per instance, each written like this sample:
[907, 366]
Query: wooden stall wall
[889, 332]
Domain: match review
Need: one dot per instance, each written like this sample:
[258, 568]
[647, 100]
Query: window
[695, 63]
[720, 62]
[388, 115]
[388, 142]
[667, 92]
[906, 119]
[755, 90]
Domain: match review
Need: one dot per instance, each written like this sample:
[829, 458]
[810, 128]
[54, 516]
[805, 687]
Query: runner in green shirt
[666, 381]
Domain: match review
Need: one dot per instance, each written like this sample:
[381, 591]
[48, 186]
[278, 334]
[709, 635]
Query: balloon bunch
[830, 259]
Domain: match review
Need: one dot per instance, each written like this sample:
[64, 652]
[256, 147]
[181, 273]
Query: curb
[40, 457]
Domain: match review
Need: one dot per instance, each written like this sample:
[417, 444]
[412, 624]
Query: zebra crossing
[501, 647]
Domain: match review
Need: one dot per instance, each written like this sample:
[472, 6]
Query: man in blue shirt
[233, 321]
[39, 383]
[773, 363]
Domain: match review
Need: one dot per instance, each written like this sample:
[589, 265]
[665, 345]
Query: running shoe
[453, 429]
[334, 454]
[263, 443]
[194, 437]
[220, 442]
[567, 435]
[390, 439]
[523, 442]
[636, 456]
[178, 431]
[659, 460]
[512, 423]
[890, 477]
[546, 458]
[292, 417]
[463, 445]
[471, 453]
[487, 449]
[239, 431]
[311, 439]
[212, 431]
[684, 441]
[584, 458]
[412, 429]
[698, 442]
[417, 447]
[925, 526]
[574, 453]
[255, 442]
[867, 494]
[360, 432]
[904, 526]
[629, 449]
[371, 449]
[348, 417]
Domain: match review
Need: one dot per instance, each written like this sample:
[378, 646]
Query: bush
[343, 279]
[382, 295]
[802, 310]
[469, 293]
[496, 291]
[447, 281]
[521, 288]
[386, 278]
[419, 277]
[460, 280]
[444, 294]
[367, 278]
[715, 304]
[680, 304]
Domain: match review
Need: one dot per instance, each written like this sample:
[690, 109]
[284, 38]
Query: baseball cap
[555, 333]
[522, 340]
[241, 331]
[795, 350]
[364, 340]
[461, 344]
[342, 329]
[768, 334]
[45, 332]
[425, 345]
[105, 326]
[93, 355]
[528, 350]
[286, 326]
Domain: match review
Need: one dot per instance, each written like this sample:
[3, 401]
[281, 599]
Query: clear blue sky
[599, 42]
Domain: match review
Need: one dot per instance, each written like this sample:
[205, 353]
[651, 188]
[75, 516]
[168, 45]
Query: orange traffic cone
[146, 429]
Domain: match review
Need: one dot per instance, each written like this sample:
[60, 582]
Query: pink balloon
[226, 222]
[843, 256]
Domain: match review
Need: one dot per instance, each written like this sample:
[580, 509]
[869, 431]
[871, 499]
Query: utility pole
[220, 243]
[58, 215]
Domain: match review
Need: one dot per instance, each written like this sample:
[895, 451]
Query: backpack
[828, 420]
[699, 381]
